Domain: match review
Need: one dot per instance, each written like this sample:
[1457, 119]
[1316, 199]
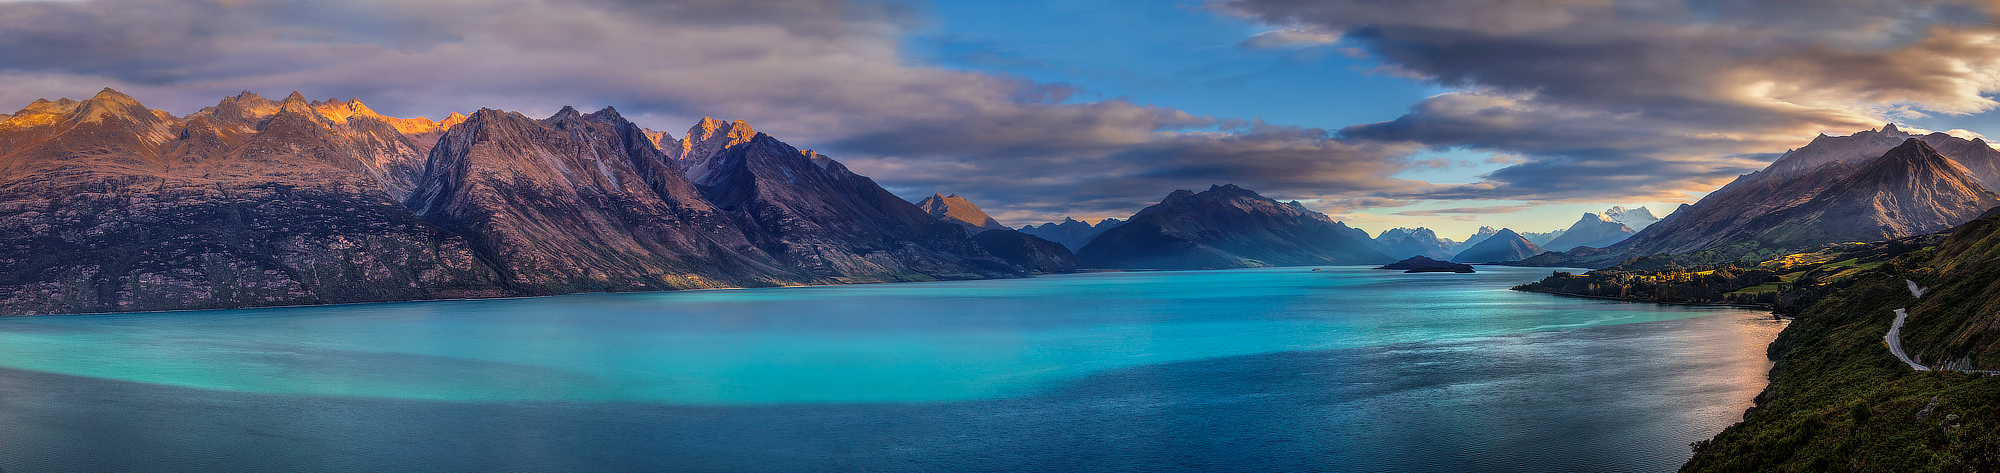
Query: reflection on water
[1276, 369]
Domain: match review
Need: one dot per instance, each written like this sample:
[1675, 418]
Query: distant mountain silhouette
[1071, 233]
[1593, 230]
[1502, 246]
[1225, 227]
[1407, 242]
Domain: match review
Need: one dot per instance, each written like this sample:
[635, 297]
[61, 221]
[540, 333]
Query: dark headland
[1423, 264]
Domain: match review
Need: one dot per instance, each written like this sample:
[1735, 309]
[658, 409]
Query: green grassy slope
[1838, 401]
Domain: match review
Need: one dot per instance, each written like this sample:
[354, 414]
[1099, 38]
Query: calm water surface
[1281, 369]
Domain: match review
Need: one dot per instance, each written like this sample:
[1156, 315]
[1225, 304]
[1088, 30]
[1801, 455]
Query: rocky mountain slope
[581, 202]
[1502, 246]
[812, 214]
[957, 210]
[1225, 227]
[109, 206]
[106, 205]
[1593, 230]
[1907, 189]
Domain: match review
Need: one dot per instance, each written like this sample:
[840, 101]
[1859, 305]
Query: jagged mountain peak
[340, 111]
[607, 114]
[41, 112]
[1890, 128]
[114, 96]
[960, 211]
[1593, 230]
[110, 103]
[566, 113]
[1640, 215]
[705, 142]
[1914, 158]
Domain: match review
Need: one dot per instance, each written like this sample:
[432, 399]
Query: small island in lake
[1423, 264]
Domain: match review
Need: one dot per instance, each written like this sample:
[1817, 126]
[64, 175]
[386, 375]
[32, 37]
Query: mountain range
[1869, 186]
[1402, 243]
[1071, 233]
[1225, 227]
[1593, 230]
[110, 206]
[106, 205]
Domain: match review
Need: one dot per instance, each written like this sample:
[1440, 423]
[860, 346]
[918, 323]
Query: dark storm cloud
[818, 73]
[1643, 98]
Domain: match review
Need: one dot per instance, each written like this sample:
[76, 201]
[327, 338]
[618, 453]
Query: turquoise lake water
[1343, 369]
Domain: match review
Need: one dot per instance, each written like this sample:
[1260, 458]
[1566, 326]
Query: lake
[1269, 369]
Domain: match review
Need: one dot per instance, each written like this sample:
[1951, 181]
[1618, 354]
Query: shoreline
[1632, 300]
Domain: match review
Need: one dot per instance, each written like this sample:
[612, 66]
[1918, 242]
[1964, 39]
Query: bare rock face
[1224, 227]
[814, 215]
[1910, 190]
[956, 210]
[108, 206]
[583, 203]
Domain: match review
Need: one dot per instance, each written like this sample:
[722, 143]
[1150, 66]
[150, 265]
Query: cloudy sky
[1445, 113]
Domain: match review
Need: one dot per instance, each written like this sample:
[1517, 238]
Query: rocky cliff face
[958, 211]
[1224, 227]
[1502, 246]
[109, 206]
[1593, 230]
